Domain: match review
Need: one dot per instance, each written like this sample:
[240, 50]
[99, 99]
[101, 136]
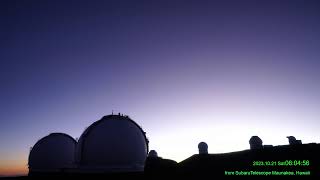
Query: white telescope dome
[52, 153]
[113, 144]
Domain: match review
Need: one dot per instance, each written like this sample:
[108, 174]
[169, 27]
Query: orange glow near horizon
[16, 166]
[13, 170]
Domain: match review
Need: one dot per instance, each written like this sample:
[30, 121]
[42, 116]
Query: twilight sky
[186, 71]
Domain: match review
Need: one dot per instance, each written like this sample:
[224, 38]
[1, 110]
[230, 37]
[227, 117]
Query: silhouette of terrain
[129, 156]
[303, 158]
[284, 158]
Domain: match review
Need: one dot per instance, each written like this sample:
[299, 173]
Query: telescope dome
[114, 143]
[203, 148]
[255, 143]
[52, 153]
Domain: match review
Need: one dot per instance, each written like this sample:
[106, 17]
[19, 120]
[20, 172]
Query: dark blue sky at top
[66, 61]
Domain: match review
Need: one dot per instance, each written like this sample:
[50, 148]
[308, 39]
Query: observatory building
[255, 143]
[293, 140]
[153, 154]
[52, 154]
[203, 148]
[114, 143]
[156, 166]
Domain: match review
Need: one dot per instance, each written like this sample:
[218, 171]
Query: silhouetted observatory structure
[295, 159]
[117, 146]
[255, 142]
[115, 143]
[52, 154]
[293, 140]
[156, 166]
[203, 148]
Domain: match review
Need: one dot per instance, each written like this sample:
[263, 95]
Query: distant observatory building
[52, 154]
[114, 143]
[153, 154]
[203, 148]
[255, 143]
[293, 140]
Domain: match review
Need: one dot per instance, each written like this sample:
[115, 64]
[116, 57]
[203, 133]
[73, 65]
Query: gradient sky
[186, 71]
